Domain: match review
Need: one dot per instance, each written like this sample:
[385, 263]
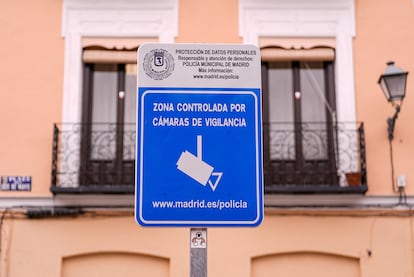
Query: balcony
[93, 158]
[314, 158]
[100, 158]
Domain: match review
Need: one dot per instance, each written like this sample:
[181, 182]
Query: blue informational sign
[16, 183]
[199, 152]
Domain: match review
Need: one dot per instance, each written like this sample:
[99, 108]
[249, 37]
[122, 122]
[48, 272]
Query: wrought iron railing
[309, 157]
[314, 157]
[93, 158]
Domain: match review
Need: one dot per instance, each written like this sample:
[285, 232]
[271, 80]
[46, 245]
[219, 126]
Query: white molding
[69, 200]
[308, 18]
[283, 201]
[107, 18]
[332, 200]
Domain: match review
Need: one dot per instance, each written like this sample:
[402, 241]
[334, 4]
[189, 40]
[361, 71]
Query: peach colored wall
[31, 73]
[381, 245]
[43, 246]
[213, 21]
[384, 32]
[31, 54]
[114, 264]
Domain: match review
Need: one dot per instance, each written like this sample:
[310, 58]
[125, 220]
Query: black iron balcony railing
[303, 158]
[314, 157]
[93, 158]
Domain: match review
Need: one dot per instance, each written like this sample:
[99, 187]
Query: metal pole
[198, 252]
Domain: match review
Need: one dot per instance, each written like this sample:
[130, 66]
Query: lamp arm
[391, 123]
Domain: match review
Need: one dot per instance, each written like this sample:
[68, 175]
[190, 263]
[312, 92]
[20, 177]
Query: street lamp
[393, 83]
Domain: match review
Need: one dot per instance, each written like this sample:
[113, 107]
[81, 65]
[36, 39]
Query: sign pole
[198, 252]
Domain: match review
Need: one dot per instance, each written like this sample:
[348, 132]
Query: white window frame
[308, 19]
[106, 18]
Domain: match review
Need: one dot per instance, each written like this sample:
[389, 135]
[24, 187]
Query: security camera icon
[196, 168]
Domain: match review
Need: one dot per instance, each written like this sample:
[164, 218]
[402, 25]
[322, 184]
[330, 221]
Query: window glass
[130, 115]
[312, 92]
[130, 93]
[104, 111]
[311, 103]
[313, 108]
[104, 93]
[281, 115]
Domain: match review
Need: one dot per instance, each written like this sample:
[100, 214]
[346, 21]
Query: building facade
[337, 190]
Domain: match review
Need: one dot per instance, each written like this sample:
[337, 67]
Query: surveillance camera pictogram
[196, 168]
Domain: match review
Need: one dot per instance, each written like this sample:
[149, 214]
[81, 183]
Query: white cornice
[121, 18]
[295, 18]
[115, 202]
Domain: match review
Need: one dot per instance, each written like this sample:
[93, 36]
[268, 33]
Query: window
[285, 31]
[108, 124]
[101, 38]
[299, 119]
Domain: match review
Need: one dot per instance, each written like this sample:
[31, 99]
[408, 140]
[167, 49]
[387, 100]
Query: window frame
[313, 20]
[300, 167]
[101, 172]
[137, 21]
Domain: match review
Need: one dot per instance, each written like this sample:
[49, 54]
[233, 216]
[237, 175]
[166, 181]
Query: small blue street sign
[199, 149]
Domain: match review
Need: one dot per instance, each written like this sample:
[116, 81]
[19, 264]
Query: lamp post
[393, 83]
